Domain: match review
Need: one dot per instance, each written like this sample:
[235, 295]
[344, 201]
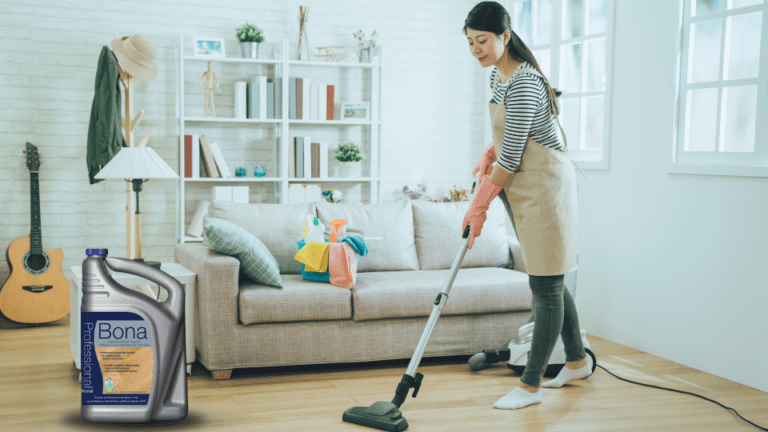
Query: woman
[527, 167]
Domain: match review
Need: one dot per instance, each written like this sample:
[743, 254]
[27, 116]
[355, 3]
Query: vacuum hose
[486, 358]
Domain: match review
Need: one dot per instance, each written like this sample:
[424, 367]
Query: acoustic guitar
[37, 291]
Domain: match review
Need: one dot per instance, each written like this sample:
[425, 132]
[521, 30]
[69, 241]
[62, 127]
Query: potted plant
[250, 37]
[364, 45]
[349, 156]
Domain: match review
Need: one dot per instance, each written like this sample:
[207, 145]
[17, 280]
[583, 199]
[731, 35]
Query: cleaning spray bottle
[133, 356]
[316, 232]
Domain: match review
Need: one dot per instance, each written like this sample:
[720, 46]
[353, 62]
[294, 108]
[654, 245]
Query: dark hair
[491, 17]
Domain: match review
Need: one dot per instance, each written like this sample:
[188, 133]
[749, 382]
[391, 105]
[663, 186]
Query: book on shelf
[218, 157]
[320, 160]
[274, 98]
[313, 100]
[299, 154]
[257, 98]
[330, 102]
[299, 98]
[195, 228]
[305, 87]
[209, 161]
[292, 98]
[241, 96]
[292, 157]
[322, 101]
[192, 156]
[307, 157]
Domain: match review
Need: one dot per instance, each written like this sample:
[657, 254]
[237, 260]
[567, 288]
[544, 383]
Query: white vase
[351, 169]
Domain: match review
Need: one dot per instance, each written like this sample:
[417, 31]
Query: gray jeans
[554, 314]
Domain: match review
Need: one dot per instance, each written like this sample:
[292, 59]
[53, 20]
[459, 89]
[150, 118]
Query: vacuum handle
[174, 304]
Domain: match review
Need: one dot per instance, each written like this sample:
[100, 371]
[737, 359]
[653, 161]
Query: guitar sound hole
[36, 262]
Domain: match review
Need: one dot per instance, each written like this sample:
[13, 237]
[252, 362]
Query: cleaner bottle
[133, 356]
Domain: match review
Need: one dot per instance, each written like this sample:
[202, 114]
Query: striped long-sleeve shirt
[528, 114]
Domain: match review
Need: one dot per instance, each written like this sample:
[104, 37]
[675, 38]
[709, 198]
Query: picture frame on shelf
[354, 110]
[208, 47]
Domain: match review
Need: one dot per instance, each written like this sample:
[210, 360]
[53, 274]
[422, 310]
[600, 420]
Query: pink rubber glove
[475, 216]
[484, 163]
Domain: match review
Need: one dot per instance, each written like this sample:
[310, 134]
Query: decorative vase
[351, 169]
[364, 56]
[249, 49]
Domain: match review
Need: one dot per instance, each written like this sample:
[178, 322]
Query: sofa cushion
[405, 294]
[256, 263]
[299, 300]
[392, 220]
[437, 228]
[278, 226]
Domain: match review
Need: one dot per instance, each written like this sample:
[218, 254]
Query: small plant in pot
[250, 37]
[349, 156]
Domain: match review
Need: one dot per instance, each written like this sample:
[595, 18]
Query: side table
[186, 277]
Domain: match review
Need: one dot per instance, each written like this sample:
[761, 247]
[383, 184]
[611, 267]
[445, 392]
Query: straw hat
[136, 55]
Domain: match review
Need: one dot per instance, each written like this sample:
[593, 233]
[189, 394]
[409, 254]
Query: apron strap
[562, 132]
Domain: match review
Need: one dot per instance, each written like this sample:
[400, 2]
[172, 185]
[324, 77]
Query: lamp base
[155, 264]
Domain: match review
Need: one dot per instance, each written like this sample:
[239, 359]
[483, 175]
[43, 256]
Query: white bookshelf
[281, 65]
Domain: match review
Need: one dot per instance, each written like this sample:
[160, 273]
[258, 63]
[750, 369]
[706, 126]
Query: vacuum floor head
[381, 415]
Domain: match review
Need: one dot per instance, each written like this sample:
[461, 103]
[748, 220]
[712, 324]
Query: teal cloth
[357, 243]
[105, 130]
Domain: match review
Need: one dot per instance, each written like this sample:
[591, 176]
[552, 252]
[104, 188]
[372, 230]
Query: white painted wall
[432, 121]
[670, 264]
[673, 265]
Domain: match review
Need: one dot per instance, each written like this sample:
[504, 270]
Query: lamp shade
[136, 163]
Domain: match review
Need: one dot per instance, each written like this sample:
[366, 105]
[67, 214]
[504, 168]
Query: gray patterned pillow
[256, 263]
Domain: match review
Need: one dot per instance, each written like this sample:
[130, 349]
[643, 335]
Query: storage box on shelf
[266, 141]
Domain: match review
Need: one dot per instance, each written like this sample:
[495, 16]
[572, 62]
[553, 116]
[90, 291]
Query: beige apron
[541, 198]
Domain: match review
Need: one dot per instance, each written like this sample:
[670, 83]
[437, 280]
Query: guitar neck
[36, 234]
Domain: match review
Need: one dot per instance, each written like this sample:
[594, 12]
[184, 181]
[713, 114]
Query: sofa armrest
[517, 254]
[217, 299]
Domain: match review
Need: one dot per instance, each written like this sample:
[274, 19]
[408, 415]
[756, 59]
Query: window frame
[586, 159]
[752, 164]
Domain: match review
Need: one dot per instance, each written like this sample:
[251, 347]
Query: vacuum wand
[386, 415]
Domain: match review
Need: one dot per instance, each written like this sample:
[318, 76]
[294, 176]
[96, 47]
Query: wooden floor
[39, 391]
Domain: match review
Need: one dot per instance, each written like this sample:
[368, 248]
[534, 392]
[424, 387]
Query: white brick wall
[433, 102]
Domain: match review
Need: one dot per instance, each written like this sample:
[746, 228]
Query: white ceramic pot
[351, 169]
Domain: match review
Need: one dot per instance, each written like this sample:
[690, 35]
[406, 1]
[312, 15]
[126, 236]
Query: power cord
[685, 392]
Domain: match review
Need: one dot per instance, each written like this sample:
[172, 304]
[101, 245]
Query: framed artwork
[209, 47]
[355, 111]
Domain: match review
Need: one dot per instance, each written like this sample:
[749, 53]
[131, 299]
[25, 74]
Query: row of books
[203, 158]
[307, 159]
[262, 98]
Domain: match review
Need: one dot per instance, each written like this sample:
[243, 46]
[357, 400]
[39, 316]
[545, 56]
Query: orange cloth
[342, 266]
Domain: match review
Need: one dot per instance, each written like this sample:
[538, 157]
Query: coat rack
[133, 228]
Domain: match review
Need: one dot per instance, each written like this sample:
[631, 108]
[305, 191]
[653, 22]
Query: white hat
[136, 55]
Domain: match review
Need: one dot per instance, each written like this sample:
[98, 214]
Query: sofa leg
[222, 374]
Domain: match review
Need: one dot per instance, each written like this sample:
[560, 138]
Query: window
[722, 87]
[572, 41]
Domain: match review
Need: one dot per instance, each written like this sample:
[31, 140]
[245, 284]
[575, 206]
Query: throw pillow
[256, 263]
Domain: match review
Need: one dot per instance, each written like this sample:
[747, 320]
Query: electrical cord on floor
[685, 392]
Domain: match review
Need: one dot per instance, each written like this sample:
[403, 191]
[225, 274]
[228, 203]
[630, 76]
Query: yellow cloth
[314, 256]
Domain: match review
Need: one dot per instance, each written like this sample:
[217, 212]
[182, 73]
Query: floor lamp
[137, 165]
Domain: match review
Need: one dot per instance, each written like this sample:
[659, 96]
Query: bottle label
[116, 358]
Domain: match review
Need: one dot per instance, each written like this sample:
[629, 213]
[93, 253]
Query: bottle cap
[97, 252]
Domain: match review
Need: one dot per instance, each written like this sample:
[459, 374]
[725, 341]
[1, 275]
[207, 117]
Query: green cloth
[105, 133]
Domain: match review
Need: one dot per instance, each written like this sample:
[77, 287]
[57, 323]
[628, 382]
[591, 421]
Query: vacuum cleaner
[386, 415]
[515, 353]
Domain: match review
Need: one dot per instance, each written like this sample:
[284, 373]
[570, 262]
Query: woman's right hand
[484, 163]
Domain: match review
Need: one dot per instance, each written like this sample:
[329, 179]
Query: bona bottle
[133, 356]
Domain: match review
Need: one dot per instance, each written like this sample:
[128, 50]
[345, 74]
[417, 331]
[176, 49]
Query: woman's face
[486, 47]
